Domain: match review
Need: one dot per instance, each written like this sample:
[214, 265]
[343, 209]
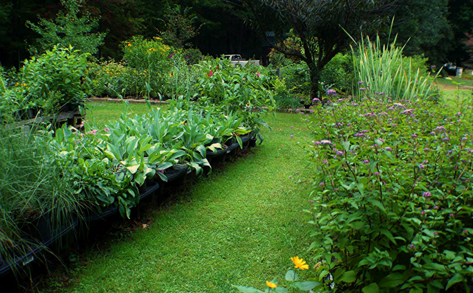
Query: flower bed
[392, 195]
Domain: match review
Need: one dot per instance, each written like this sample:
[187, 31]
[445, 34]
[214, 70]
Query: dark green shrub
[392, 196]
[56, 78]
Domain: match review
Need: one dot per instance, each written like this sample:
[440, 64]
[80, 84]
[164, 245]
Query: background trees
[323, 27]
[436, 28]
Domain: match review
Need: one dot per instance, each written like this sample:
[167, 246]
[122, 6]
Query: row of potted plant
[110, 170]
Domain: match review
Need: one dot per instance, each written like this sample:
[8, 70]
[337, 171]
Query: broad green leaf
[308, 285]
[392, 280]
[133, 168]
[291, 276]
[457, 278]
[371, 288]
[348, 277]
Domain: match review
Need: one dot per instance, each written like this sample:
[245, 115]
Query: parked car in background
[237, 59]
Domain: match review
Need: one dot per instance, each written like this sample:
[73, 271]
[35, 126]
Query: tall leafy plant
[384, 71]
[68, 29]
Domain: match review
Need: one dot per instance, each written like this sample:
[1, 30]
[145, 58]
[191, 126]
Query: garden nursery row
[57, 179]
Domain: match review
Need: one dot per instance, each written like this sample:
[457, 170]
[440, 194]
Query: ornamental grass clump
[392, 195]
[383, 70]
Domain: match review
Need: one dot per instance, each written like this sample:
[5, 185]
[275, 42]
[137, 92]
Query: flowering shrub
[55, 78]
[392, 195]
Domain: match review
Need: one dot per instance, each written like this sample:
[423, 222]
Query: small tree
[323, 26]
[179, 26]
[68, 29]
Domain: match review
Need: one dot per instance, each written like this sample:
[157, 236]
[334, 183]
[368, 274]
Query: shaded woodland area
[438, 29]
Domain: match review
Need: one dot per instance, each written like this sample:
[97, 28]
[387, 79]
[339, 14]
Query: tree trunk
[314, 81]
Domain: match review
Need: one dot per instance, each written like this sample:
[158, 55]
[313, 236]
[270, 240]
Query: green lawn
[453, 81]
[100, 113]
[239, 226]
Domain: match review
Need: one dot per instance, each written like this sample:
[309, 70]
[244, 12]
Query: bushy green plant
[56, 78]
[151, 63]
[30, 188]
[338, 73]
[68, 29]
[392, 196]
[384, 70]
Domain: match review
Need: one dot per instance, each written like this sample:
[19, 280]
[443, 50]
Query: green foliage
[30, 189]
[68, 29]
[392, 195]
[424, 27]
[179, 25]
[383, 70]
[338, 74]
[320, 28]
[55, 78]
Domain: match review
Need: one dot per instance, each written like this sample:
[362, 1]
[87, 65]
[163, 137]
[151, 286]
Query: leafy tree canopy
[323, 26]
[68, 29]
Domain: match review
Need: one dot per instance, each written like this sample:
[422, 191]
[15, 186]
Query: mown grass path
[239, 226]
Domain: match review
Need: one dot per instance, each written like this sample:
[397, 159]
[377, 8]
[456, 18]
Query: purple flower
[331, 92]
[388, 148]
[339, 153]
[423, 213]
[426, 194]
[436, 207]
[451, 215]
[360, 82]
[376, 173]
[297, 173]
[425, 162]
[421, 166]
[186, 57]
[446, 139]
[315, 100]
[426, 150]
[292, 127]
[362, 89]
[321, 184]
[325, 141]
[414, 135]
[325, 162]
[436, 233]
[292, 136]
[412, 246]
[317, 142]
[311, 200]
[107, 130]
[366, 162]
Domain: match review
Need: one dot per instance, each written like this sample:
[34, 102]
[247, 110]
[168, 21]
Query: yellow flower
[270, 285]
[300, 263]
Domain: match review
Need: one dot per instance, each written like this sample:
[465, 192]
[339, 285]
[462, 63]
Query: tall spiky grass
[385, 72]
[30, 188]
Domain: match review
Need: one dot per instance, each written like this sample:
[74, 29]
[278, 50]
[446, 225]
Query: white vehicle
[237, 59]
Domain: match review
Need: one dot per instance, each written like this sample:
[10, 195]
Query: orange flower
[300, 263]
[270, 285]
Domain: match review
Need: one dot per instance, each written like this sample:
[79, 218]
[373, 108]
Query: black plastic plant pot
[151, 188]
[27, 253]
[101, 215]
[233, 147]
[211, 155]
[245, 138]
[176, 172]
